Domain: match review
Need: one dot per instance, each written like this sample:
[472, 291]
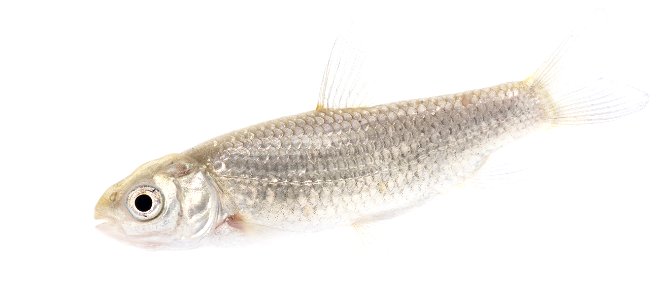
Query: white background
[89, 90]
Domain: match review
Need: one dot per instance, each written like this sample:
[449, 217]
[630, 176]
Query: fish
[342, 164]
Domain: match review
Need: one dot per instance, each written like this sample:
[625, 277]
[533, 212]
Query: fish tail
[578, 98]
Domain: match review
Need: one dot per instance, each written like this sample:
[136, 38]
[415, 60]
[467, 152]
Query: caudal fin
[580, 98]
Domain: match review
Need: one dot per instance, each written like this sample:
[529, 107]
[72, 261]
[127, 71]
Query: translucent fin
[343, 84]
[497, 175]
[580, 95]
[602, 100]
[545, 75]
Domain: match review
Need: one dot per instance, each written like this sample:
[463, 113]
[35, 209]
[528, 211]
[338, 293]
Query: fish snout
[103, 206]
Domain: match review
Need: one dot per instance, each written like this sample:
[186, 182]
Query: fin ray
[343, 84]
[600, 101]
[579, 96]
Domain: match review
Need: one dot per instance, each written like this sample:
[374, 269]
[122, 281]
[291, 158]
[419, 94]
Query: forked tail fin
[582, 99]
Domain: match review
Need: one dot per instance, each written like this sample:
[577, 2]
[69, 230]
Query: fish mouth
[103, 219]
[109, 227]
[104, 225]
[114, 230]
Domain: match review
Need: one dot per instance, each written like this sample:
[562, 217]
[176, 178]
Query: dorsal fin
[343, 84]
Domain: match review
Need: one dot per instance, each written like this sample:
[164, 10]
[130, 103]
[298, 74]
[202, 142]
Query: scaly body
[343, 165]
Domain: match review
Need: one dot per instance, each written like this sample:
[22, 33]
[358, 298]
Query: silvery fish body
[334, 166]
[340, 164]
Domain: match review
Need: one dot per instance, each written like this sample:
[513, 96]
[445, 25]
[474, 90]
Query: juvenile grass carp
[339, 165]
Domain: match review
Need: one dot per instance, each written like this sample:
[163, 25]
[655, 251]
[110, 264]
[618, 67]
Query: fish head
[171, 201]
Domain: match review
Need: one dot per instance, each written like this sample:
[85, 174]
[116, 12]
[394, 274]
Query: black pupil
[143, 202]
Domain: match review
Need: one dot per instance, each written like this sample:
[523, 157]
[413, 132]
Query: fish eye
[144, 203]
